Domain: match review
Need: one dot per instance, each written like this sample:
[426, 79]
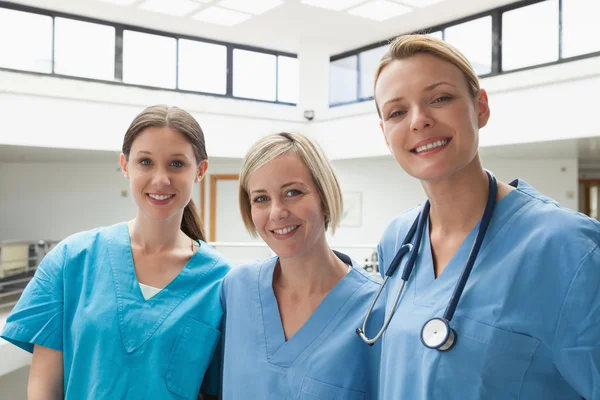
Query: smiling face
[429, 118]
[286, 207]
[162, 170]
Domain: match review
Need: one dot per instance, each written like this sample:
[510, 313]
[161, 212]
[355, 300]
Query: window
[202, 67]
[579, 27]
[436, 34]
[25, 41]
[149, 60]
[84, 49]
[368, 61]
[474, 40]
[254, 75]
[343, 78]
[288, 79]
[525, 43]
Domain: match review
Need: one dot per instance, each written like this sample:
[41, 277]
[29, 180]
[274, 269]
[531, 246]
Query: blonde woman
[290, 319]
[500, 283]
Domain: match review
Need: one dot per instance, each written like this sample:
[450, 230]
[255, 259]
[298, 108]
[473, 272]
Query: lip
[430, 140]
[161, 202]
[285, 235]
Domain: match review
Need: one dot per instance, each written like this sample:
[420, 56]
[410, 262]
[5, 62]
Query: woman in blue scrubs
[290, 319]
[131, 311]
[527, 325]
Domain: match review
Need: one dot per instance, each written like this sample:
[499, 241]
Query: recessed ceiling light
[119, 2]
[221, 16]
[177, 8]
[335, 5]
[379, 10]
[419, 3]
[251, 6]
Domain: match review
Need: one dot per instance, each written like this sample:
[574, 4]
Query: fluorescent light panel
[335, 5]
[379, 10]
[250, 6]
[119, 2]
[221, 16]
[177, 8]
[419, 3]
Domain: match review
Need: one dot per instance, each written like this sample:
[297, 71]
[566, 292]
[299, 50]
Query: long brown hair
[183, 122]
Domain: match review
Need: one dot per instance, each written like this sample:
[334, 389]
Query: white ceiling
[285, 25]
[587, 150]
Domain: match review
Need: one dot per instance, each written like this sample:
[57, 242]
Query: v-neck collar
[140, 318]
[429, 291]
[282, 352]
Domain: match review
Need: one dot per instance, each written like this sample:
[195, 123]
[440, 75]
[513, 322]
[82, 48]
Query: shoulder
[87, 240]
[396, 230]
[245, 274]
[209, 256]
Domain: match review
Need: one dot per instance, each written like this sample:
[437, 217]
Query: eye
[442, 99]
[178, 164]
[146, 161]
[396, 114]
[293, 192]
[260, 199]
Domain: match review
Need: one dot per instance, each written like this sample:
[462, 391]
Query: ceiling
[587, 150]
[284, 25]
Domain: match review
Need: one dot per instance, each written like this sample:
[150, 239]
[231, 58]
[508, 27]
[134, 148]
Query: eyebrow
[172, 155]
[282, 187]
[427, 88]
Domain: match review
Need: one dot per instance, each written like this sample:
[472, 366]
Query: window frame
[118, 74]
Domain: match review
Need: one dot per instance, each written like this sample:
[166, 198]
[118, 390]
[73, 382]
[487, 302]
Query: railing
[20, 259]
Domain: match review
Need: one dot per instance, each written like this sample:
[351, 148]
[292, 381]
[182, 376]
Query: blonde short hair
[406, 46]
[274, 145]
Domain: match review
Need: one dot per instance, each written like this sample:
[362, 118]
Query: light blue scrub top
[324, 360]
[528, 322]
[85, 301]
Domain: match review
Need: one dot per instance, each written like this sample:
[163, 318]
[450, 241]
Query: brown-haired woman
[131, 310]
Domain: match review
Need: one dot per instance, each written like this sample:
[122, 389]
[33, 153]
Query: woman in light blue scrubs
[527, 325]
[290, 320]
[132, 310]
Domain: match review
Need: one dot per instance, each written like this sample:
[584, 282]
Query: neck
[155, 236]
[457, 202]
[316, 272]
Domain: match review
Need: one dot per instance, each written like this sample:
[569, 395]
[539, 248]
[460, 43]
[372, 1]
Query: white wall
[13, 386]
[52, 200]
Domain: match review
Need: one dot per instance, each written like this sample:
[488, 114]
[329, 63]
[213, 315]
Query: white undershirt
[148, 291]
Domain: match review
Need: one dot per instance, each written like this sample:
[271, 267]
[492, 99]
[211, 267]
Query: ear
[201, 171]
[124, 166]
[483, 108]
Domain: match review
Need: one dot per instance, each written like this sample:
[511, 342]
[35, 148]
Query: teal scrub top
[528, 321]
[85, 301]
[324, 360]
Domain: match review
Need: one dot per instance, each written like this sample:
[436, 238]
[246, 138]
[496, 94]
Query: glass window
[474, 40]
[436, 34]
[343, 76]
[202, 67]
[25, 41]
[84, 49]
[525, 43]
[288, 79]
[368, 61]
[580, 27]
[254, 75]
[149, 60]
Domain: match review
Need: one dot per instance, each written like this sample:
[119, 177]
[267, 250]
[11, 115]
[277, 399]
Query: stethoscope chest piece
[438, 335]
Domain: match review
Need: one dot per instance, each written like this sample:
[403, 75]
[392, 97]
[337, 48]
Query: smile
[431, 146]
[284, 231]
[160, 197]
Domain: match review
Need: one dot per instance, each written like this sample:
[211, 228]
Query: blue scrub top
[528, 322]
[324, 360]
[85, 301]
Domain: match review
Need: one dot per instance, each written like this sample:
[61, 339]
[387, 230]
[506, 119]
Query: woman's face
[162, 170]
[429, 119]
[286, 206]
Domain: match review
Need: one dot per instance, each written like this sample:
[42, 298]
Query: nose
[421, 119]
[278, 211]
[161, 178]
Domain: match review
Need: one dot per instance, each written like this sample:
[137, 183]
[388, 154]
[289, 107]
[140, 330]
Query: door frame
[214, 179]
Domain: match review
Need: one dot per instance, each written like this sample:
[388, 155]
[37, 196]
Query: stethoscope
[436, 333]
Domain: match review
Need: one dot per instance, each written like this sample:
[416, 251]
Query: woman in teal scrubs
[290, 319]
[131, 311]
[527, 325]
